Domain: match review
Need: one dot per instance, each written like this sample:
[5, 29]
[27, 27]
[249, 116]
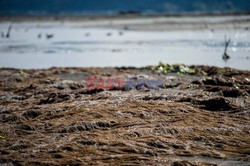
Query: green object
[22, 72]
[225, 70]
[2, 137]
[190, 86]
[175, 68]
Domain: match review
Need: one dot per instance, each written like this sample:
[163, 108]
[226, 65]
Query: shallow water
[84, 45]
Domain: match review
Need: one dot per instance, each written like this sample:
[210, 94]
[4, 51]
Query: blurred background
[84, 33]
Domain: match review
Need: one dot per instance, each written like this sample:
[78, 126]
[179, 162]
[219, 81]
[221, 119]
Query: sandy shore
[49, 117]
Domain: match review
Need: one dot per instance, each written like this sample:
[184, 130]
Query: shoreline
[63, 17]
[119, 67]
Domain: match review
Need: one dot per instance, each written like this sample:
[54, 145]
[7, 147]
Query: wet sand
[49, 117]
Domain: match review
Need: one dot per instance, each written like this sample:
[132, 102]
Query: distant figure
[39, 35]
[2, 34]
[8, 32]
[120, 33]
[225, 56]
[126, 28]
[109, 34]
[49, 36]
[87, 34]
